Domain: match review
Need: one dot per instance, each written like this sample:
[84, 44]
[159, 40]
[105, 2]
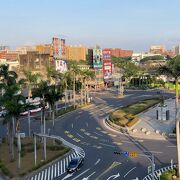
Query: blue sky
[128, 24]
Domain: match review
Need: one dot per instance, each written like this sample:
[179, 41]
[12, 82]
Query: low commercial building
[75, 53]
[34, 61]
[157, 49]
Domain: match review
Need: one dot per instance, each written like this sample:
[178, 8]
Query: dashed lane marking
[97, 161]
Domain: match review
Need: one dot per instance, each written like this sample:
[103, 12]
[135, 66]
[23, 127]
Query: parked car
[75, 164]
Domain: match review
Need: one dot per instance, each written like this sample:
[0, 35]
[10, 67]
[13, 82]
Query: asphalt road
[86, 128]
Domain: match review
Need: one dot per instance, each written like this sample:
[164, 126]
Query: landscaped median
[126, 117]
[169, 175]
[55, 149]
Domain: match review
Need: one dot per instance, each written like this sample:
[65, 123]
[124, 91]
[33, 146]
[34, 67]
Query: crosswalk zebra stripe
[66, 161]
[45, 174]
[58, 169]
[64, 165]
[49, 173]
[61, 168]
[39, 176]
[52, 171]
[35, 177]
[42, 175]
[32, 178]
[55, 170]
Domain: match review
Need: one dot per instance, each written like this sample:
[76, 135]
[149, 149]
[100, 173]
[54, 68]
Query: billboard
[97, 58]
[107, 69]
[61, 66]
[58, 48]
[107, 63]
[107, 54]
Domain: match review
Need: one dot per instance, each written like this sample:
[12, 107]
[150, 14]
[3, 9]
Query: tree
[86, 76]
[172, 69]
[31, 82]
[41, 91]
[52, 95]
[75, 71]
[13, 102]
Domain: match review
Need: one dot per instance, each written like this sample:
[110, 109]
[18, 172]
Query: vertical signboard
[107, 63]
[55, 43]
[58, 48]
[97, 58]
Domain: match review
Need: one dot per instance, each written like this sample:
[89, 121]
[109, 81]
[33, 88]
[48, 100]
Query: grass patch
[126, 116]
[167, 175]
[54, 150]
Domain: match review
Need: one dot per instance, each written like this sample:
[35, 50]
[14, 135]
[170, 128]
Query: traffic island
[126, 117]
[55, 149]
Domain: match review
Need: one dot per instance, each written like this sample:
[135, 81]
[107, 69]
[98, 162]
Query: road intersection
[86, 128]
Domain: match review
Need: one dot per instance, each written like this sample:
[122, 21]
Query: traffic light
[133, 154]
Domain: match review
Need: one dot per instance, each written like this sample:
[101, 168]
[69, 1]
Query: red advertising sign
[107, 63]
[107, 55]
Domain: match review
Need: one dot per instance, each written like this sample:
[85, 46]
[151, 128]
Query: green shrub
[167, 175]
[132, 122]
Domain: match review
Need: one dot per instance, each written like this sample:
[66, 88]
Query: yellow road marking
[104, 132]
[77, 140]
[70, 135]
[118, 143]
[113, 135]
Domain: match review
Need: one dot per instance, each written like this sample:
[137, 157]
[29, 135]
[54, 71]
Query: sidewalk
[150, 126]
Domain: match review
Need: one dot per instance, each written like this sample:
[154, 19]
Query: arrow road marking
[114, 176]
[136, 178]
[89, 176]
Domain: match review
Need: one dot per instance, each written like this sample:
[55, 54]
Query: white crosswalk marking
[49, 173]
[57, 168]
[45, 174]
[61, 168]
[55, 171]
[52, 171]
[42, 175]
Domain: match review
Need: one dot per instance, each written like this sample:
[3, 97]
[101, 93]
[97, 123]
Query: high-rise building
[75, 53]
[157, 49]
[177, 50]
[2, 48]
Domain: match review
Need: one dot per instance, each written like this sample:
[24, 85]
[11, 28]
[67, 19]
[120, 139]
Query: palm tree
[52, 96]
[14, 103]
[31, 82]
[172, 69]
[41, 91]
[87, 75]
[75, 71]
